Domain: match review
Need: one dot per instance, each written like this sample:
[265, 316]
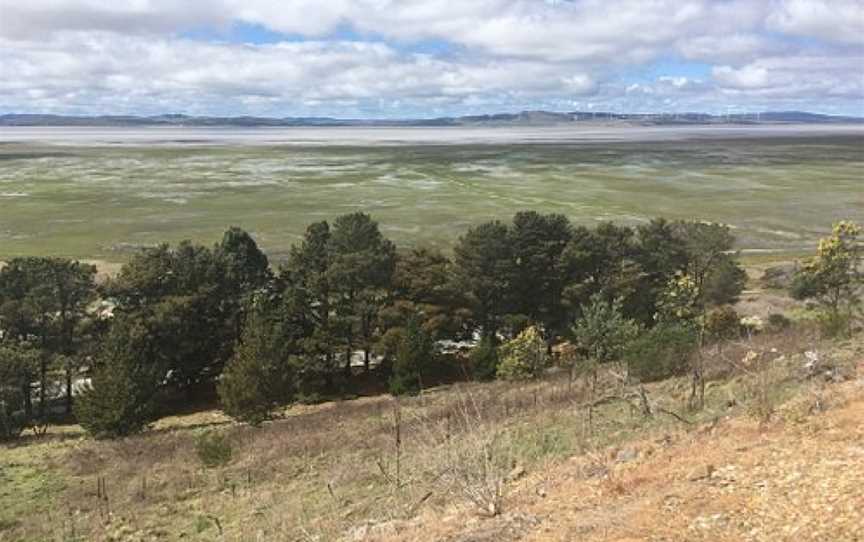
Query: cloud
[365, 57]
[838, 20]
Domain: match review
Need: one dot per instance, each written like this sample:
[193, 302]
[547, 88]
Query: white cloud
[837, 20]
[109, 55]
[750, 76]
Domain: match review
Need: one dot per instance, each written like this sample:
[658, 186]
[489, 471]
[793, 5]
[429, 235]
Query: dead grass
[338, 471]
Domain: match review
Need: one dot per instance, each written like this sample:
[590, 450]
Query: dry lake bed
[101, 192]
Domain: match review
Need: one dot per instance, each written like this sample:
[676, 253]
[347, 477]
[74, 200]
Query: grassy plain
[102, 201]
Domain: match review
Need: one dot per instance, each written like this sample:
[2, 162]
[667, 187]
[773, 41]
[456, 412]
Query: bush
[120, 399]
[835, 324]
[722, 323]
[258, 376]
[243, 390]
[724, 283]
[661, 352]
[413, 355]
[213, 449]
[484, 359]
[778, 322]
[524, 357]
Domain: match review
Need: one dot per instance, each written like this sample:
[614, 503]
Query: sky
[429, 58]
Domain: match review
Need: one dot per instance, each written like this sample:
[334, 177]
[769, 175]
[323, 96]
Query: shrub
[724, 283]
[484, 359]
[722, 323]
[834, 278]
[213, 449]
[413, 355]
[258, 376]
[661, 352]
[120, 399]
[603, 331]
[778, 322]
[524, 357]
[834, 324]
[243, 390]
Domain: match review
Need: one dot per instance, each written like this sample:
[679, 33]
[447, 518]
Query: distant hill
[525, 118]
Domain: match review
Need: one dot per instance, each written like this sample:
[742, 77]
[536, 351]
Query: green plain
[101, 202]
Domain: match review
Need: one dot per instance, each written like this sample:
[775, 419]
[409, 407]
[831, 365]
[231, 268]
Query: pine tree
[259, 376]
[121, 397]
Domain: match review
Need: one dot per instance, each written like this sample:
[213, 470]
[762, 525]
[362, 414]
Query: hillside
[798, 478]
[775, 455]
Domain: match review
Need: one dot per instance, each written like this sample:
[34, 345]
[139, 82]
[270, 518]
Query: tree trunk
[43, 380]
[68, 389]
[28, 398]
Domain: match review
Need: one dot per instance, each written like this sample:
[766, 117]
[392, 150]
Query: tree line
[347, 304]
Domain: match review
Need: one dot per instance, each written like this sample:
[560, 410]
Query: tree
[361, 268]
[524, 357]
[681, 309]
[834, 277]
[602, 332]
[422, 289]
[717, 276]
[307, 295]
[18, 364]
[259, 376]
[247, 271]
[121, 398]
[725, 282]
[483, 271]
[661, 254]
[484, 360]
[600, 261]
[414, 354]
[538, 242]
[661, 352]
[247, 268]
[185, 296]
[43, 302]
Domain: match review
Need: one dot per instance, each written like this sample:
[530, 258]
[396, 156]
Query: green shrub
[213, 449]
[414, 354]
[834, 324]
[484, 360]
[722, 323]
[524, 357]
[121, 397]
[259, 375]
[778, 322]
[661, 352]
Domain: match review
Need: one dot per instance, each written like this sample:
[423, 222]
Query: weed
[213, 449]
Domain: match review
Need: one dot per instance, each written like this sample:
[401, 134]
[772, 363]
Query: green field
[102, 201]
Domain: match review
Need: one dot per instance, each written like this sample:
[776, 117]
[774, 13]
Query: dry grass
[367, 468]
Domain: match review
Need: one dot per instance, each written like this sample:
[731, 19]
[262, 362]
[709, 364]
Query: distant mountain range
[525, 118]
